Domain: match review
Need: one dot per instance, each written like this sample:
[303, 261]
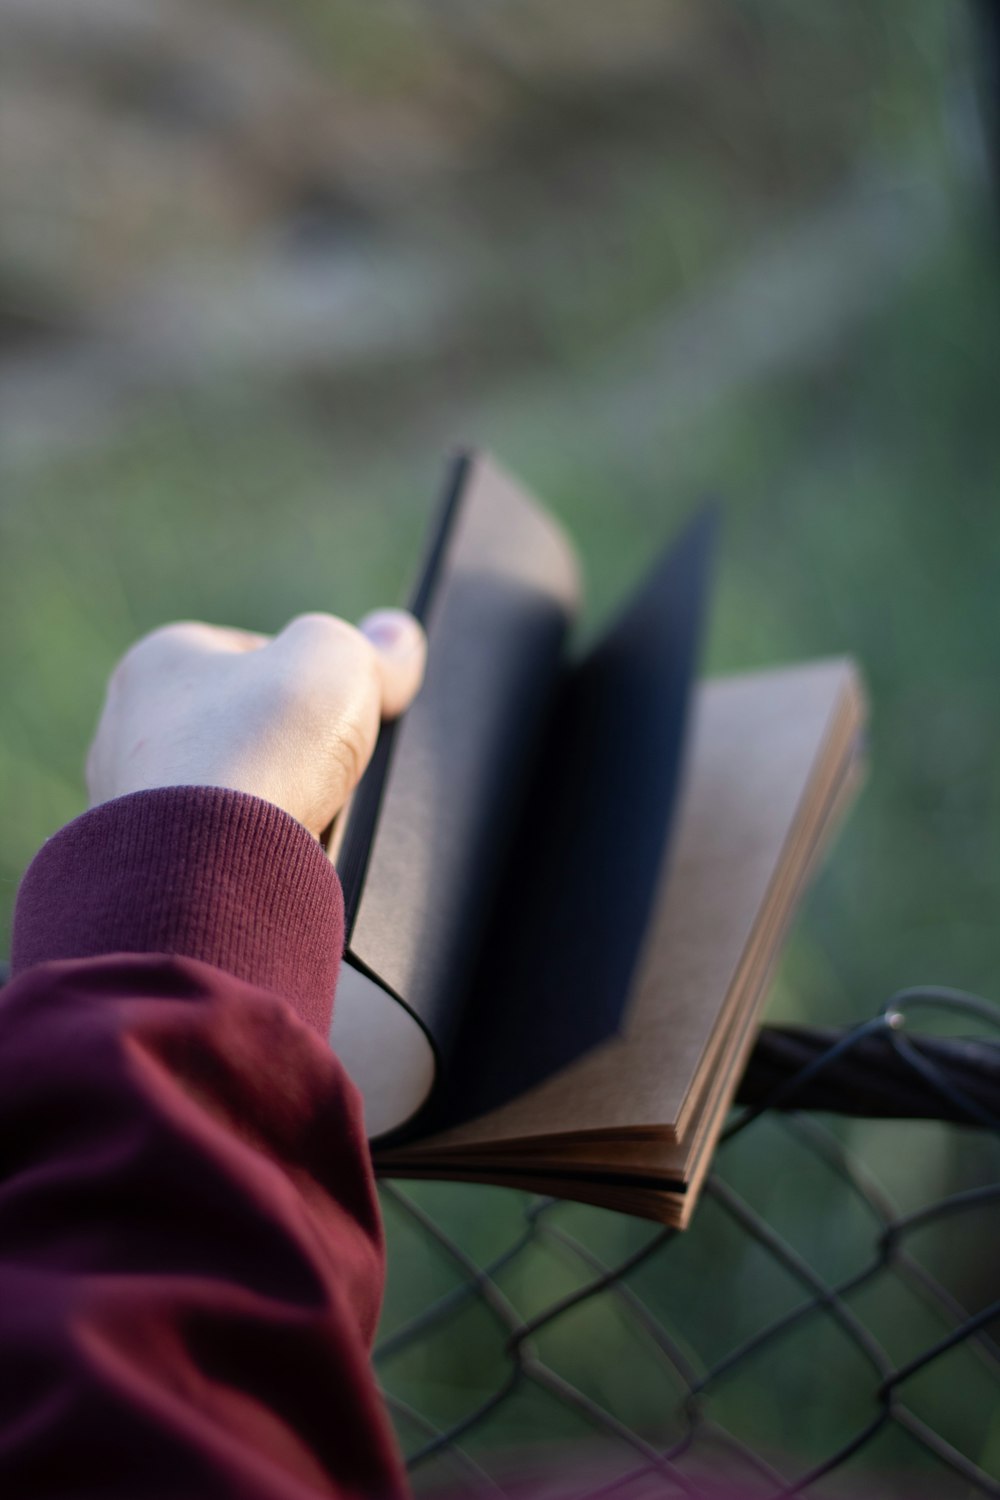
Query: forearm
[190, 1251]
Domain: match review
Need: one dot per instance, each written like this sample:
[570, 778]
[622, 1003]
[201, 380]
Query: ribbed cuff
[200, 872]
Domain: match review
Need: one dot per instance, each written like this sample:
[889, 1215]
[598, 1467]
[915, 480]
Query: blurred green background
[261, 267]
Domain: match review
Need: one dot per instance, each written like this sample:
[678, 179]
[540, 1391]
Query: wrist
[196, 871]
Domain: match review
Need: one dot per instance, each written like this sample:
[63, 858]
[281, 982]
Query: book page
[758, 740]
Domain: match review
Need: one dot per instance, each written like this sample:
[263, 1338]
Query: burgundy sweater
[191, 1259]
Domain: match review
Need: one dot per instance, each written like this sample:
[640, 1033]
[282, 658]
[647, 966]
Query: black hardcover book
[501, 855]
[568, 875]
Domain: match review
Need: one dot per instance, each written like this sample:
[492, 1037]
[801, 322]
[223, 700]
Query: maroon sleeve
[191, 1259]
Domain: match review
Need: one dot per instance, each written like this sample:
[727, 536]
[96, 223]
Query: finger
[321, 644]
[401, 649]
[193, 635]
[241, 640]
[336, 679]
[326, 658]
[173, 645]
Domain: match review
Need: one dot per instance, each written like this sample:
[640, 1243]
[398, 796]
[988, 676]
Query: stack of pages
[568, 876]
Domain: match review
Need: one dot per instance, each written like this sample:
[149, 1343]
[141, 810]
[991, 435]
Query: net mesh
[828, 1325]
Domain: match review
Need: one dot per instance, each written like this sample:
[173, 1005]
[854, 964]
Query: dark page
[448, 789]
[560, 954]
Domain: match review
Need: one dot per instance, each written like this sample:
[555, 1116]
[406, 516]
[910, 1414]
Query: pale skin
[291, 718]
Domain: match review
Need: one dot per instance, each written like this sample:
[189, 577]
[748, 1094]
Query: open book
[568, 877]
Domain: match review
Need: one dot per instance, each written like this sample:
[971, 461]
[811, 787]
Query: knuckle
[355, 655]
[324, 627]
[124, 667]
[160, 641]
[177, 632]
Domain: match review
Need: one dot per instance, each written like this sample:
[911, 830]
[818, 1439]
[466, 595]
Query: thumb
[401, 651]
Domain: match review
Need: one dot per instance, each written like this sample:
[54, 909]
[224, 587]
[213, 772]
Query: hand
[292, 719]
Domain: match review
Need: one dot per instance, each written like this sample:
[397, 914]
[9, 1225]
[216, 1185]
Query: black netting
[828, 1325]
